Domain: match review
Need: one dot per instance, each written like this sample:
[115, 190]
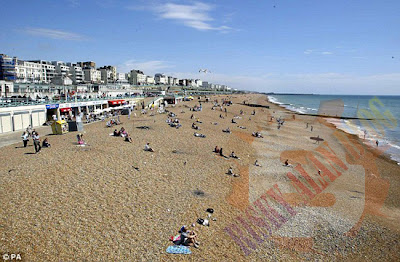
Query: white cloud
[314, 51]
[54, 34]
[148, 67]
[196, 15]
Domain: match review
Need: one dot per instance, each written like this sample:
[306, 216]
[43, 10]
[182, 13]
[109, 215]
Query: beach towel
[178, 250]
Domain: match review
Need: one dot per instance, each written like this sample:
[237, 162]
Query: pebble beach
[73, 203]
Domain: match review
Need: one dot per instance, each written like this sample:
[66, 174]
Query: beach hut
[59, 127]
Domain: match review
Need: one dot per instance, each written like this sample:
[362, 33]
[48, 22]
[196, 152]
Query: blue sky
[307, 46]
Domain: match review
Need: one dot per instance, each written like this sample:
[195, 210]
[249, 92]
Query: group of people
[123, 133]
[113, 122]
[36, 139]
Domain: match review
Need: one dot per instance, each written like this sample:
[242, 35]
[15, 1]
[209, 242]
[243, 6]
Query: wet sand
[73, 203]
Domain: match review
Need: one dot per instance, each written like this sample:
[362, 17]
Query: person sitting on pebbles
[216, 149]
[46, 143]
[287, 163]
[233, 121]
[226, 130]
[230, 172]
[194, 126]
[256, 163]
[188, 238]
[148, 148]
[233, 155]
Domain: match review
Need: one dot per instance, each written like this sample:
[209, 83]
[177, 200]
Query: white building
[161, 79]
[198, 83]
[29, 72]
[150, 80]
[61, 68]
[121, 78]
[137, 78]
[108, 74]
[48, 69]
[92, 75]
[76, 73]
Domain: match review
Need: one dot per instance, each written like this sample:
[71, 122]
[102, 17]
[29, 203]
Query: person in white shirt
[148, 148]
[25, 138]
[36, 142]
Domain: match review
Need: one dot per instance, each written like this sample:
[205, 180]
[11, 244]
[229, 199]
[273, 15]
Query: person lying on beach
[257, 134]
[256, 163]
[230, 172]
[148, 148]
[216, 149]
[199, 135]
[198, 121]
[226, 130]
[242, 127]
[233, 155]
[287, 163]
[168, 121]
[214, 123]
[128, 138]
[195, 127]
[46, 143]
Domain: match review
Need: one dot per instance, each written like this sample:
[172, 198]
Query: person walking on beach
[312, 128]
[25, 138]
[377, 143]
[36, 142]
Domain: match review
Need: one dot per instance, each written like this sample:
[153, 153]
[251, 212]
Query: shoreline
[366, 142]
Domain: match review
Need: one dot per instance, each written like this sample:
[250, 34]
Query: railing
[27, 103]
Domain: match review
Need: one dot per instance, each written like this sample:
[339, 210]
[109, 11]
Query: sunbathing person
[199, 135]
[233, 155]
[242, 127]
[128, 138]
[198, 120]
[148, 148]
[226, 130]
[230, 172]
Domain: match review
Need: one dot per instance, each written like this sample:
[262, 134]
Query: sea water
[380, 115]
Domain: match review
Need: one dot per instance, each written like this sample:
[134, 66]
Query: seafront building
[32, 92]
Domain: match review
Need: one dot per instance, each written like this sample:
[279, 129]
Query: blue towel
[178, 250]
